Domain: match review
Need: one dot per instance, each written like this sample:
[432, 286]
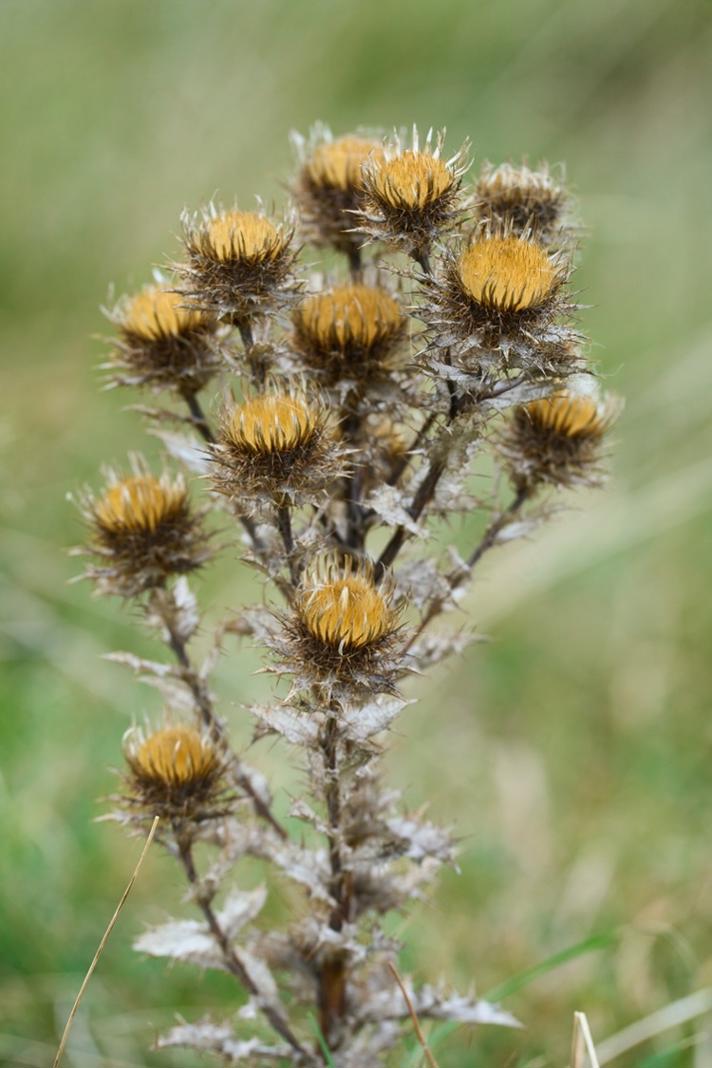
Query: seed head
[329, 186]
[272, 424]
[411, 194]
[558, 439]
[143, 530]
[507, 274]
[238, 262]
[276, 445]
[140, 504]
[348, 331]
[173, 771]
[518, 200]
[346, 611]
[344, 632]
[163, 343]
[339, 164]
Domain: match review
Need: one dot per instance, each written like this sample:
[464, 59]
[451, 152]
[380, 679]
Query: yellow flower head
[352, 321]
[342, 607]
[273, 423]
[507, 274]
[410, 181]
[140, 504]
[571, 416]
[156, 313]
[339, 164]
[173, 770]
[175, 756]
[244, 237]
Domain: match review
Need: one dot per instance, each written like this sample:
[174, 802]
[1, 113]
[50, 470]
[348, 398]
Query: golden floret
[570, 416]
[411, 180]
[156, 312]
[272, 423]
[173, 771]
[243, 236]
[341, 606]
[339, 164]
[349, 328]
[507, 274]
[140, 503]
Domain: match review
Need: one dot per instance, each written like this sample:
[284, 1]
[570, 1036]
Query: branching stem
[230, 954]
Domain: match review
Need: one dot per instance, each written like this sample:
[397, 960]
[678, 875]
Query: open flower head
[519, 200]
[276, 445]
[559, 439]
[346, 625]
[238, 262]
[163, 342]
[142, 530]
[174, 771]
[329, 187]
[348, 332]
[411, 194]
[501, 302]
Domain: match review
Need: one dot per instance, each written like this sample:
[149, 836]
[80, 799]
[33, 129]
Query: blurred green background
[572, 753]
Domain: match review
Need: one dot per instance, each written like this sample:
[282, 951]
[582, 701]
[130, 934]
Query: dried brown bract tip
[278, 446]
[350, 332]
[559, 440]
[163, 343]
[238, 262]
[518, 200]
[174, 772]
[345, 627]
[411, 195]
[143, 530]
[329, 187]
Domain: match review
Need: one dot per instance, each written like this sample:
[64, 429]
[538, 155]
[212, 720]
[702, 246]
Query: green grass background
[573, 752]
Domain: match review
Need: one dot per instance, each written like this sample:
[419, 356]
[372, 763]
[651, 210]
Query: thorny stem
[204, 706]
[198, 417]
[355, 262]
[421, 257]
[332, 978]
[456, 578]
[257, 366]
[284, 525]
[404, 461]
[201, 424]
[422, 497]
[230, 954]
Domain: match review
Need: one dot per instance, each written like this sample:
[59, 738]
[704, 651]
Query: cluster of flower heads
[351, 406]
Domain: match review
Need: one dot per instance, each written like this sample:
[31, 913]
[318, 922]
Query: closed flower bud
[238, 262]
[345, 627]
[329, 186]
[173, 772]
[518, 200]
[412, 194]
[559, 439]
[143, 530]
[275, 446]
[350, 332]
[163, 343]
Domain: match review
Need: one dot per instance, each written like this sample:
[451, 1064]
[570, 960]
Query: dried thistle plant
[356, 406]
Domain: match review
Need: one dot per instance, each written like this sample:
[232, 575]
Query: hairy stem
[230, 954]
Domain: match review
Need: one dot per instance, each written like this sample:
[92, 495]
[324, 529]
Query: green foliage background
[572, 753]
